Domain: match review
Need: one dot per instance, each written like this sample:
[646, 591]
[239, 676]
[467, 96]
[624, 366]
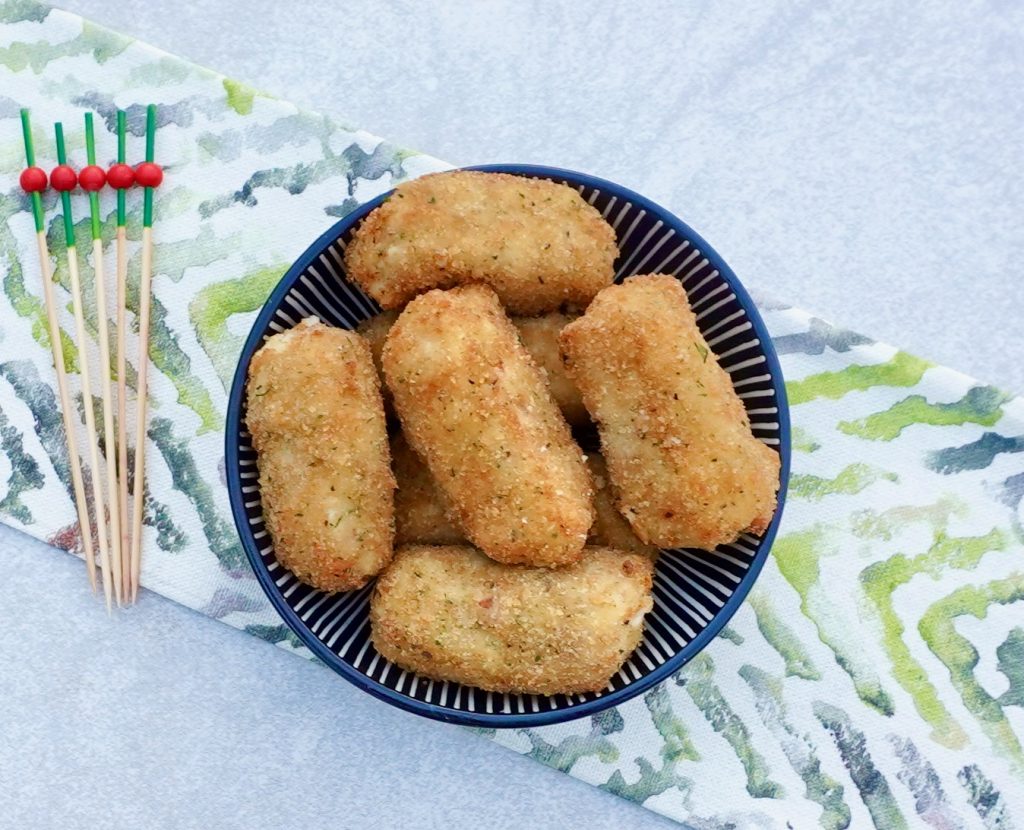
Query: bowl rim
[502, 720]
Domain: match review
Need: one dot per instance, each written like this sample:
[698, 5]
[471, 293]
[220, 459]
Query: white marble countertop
[863, 161]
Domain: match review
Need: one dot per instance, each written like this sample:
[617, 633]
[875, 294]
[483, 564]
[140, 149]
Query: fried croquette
[451, 613]
[421, 513]
[315, 415]
[374, 330]
[537, 243]
[687, 469]
[539, 335]
[610, 529]
[475, 407]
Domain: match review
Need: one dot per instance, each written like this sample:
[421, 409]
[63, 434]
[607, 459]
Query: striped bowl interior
[695, 592]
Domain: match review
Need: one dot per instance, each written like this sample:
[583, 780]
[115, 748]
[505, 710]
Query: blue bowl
[695, 592]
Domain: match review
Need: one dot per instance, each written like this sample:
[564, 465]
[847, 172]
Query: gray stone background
[860, 159]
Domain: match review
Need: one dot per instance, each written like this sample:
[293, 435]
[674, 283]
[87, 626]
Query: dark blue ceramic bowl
[695, 592]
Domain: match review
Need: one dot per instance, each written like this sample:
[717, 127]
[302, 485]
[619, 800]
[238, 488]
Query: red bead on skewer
[33, 179]
[92, 178]
[120, 176]
[149, 174]
[63, 178]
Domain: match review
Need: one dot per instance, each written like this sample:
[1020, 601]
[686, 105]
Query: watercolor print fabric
[876, 674]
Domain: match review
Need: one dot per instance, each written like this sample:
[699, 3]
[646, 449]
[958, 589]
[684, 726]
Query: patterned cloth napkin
[876, 674]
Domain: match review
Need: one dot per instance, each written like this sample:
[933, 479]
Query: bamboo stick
[82, 344]
[103, 339]
[145, 302]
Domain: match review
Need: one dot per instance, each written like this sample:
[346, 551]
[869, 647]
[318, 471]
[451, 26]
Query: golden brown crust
[539, 335]
[374, 330]
[422, 518]
[314, 412]
[676, 437]
[538, 244]
[476, 409]
[610, 529]
[450, 613]
[421, 513]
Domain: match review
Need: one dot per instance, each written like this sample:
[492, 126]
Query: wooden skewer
[74, 462]
[103, 338]
[145, 286]
[122, 390]
[145, 281]
[82, 344]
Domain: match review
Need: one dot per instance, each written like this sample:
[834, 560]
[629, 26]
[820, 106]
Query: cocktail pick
[149, 175]
[121, 177]
[33, 180]
[63, 179]
[92, 179]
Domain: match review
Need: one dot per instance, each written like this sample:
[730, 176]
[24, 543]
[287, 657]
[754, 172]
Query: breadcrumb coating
[476, 409]
[688, 470]
[315, 415]
[538, 244]
[539, 335]
[374, 330]
[421, 512]
[610, 528]
[451, 613]
[422, 517]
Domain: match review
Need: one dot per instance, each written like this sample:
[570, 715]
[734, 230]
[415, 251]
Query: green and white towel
[876, 674]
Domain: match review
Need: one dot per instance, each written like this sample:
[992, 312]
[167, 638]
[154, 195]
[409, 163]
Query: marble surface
[859, 159]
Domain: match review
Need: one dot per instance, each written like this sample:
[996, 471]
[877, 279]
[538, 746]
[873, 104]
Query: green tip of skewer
[122, 132]
[30, 161]
[26, 131]
[62, 157]
[90, 139]
[147, 198]
[90, 154]
[150, 131]
[65, 197]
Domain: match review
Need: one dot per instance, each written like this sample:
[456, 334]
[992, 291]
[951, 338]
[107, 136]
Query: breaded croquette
[476, 409]
[315, 415]
[610, 529]
[374, 330]
[676, 437]
[538, 244]
[451, 613]
[421, 514]
[539, 335]
[422, 519]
